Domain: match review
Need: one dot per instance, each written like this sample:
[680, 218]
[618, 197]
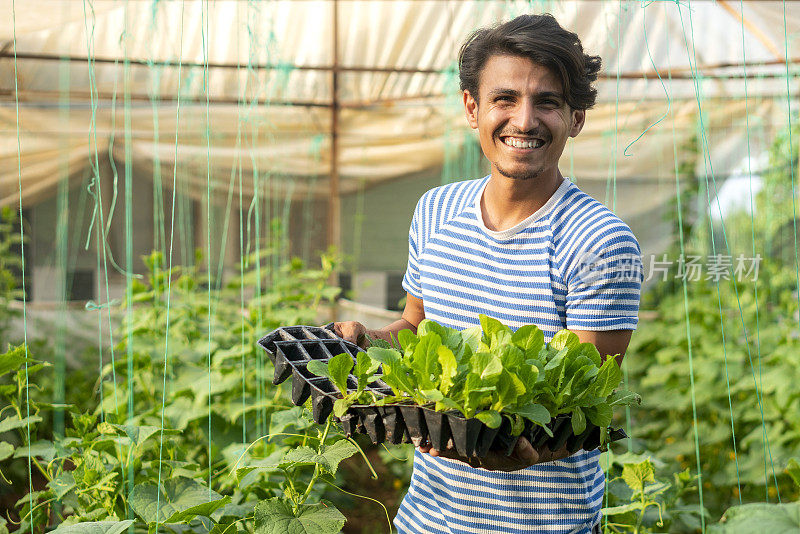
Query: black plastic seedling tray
[291, 348]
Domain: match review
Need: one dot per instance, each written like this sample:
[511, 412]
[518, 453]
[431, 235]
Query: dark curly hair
[542, 40]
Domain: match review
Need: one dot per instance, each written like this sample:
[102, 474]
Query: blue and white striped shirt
[572, 264]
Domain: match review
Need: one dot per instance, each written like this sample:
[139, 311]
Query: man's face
[522, 120]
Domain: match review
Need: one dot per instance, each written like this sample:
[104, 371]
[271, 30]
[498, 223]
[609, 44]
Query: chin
[520, 174]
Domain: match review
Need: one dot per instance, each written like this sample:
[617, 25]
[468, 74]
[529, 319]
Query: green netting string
[753, 235]
[710, 173]
[22, 253]
[791, 156]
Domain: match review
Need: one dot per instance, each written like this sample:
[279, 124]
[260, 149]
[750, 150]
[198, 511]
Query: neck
[507, 201]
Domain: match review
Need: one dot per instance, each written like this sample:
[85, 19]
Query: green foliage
[641, 499]
[742, 334]
[338, 368]
[10, 269]
[144, 454]
[490, 372]
[759, 517]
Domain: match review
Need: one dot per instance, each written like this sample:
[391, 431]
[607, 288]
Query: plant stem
[317, 471]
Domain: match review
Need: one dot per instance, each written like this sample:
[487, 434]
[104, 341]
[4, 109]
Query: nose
[525, 117]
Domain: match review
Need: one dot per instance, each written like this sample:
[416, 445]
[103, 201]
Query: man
[523, 245]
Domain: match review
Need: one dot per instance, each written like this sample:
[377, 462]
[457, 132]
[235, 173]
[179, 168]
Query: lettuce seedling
[338, 369]
[490, 372]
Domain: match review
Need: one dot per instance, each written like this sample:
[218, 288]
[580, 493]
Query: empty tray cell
[300, 370]
[349, 423]
[317, 350]
[292, 350]
[323, 395]
[393, 424]
[300, 390]
[373, 423]
[283, 369]
[352, 383]
[379, 384]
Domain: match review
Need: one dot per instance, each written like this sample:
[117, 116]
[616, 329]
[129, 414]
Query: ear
[578, 120]
[471, 110]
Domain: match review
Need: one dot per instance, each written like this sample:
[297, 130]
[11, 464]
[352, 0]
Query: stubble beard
[526, 174]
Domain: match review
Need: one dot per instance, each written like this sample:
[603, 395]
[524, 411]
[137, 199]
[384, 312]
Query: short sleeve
[411, 280]
[604, 282]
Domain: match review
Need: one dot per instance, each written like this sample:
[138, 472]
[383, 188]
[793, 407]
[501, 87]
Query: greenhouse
[198, 198]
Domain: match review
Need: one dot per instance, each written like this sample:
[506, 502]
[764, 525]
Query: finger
[525, 452]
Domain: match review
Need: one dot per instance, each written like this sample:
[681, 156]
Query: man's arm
[357, 333]
[608, 342]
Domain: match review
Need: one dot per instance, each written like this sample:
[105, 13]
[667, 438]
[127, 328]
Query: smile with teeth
[518, 142]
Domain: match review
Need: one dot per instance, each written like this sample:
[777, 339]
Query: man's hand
[523, 455]
[352, 331]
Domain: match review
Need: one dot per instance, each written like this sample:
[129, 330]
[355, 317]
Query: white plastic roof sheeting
[150, 56]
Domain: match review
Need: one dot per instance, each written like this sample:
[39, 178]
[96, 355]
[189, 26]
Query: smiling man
[526, 246]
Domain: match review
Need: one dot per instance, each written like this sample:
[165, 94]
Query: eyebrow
[513, 92]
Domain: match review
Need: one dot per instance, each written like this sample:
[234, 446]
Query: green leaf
[6, 450]
[62, 484]
[530, 339]
[471, 337]
[335, 453]
[564, 339]
[433, 395]
[41, 449]
[760, 517]
[365, 368]
[623, 397]
[536, 413]
[793, 468]
[11, 422]
[636, 476]
[608, 378]
[137, 434]
[339, 368]
[275, 516]
[496, 332]
[383, 356]
[407, 339]
[487, 365]
[599, 414]
[425, 360]
[578, 421]
[14, 359]
[340, 406]
[304, 456]
[590, 351]
[449, 365]
[95, 527]
[490, 418]
[450, 337]
[328, 459]
[180, 501]
[623, 509]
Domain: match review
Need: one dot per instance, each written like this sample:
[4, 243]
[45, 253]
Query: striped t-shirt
[572, 264]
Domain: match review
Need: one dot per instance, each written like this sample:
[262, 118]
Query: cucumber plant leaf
[179, 500]
[277, 516]
[95, 527]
